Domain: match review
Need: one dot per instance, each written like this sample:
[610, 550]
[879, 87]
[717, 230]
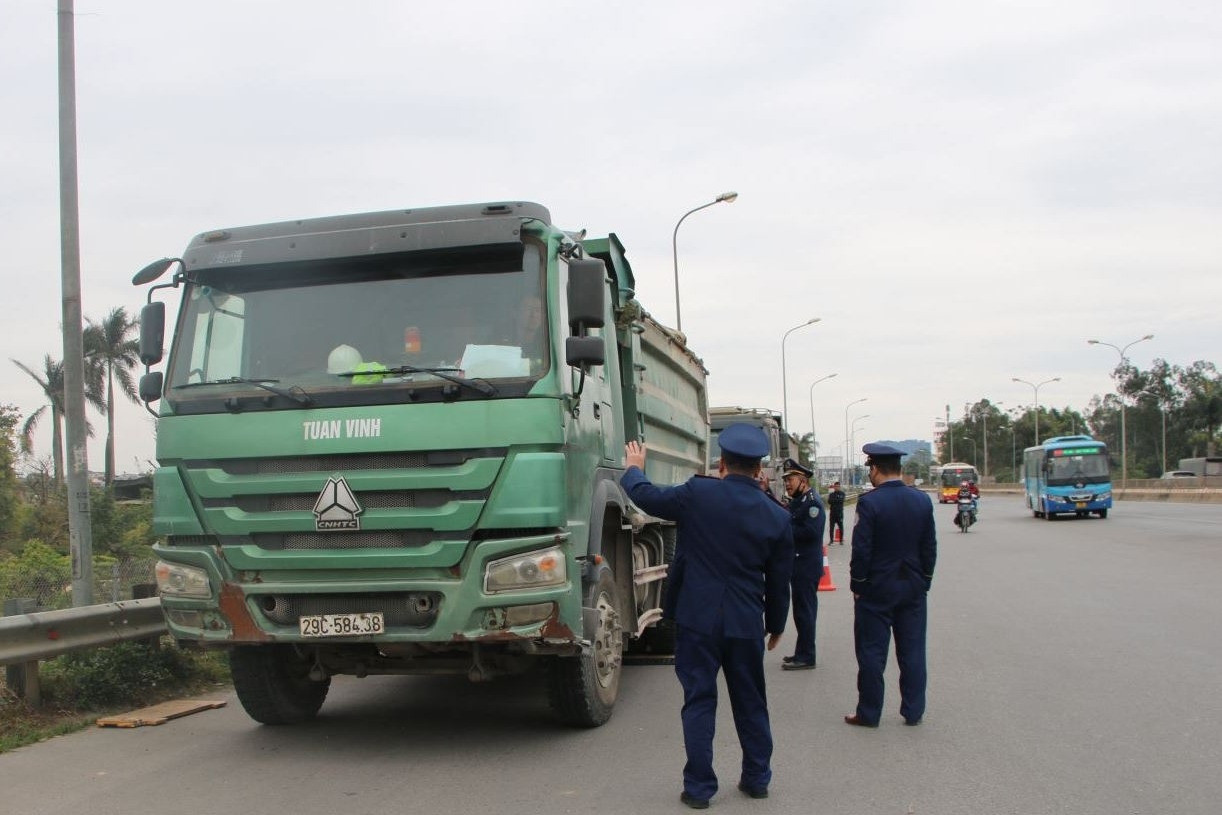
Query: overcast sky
[964, 192]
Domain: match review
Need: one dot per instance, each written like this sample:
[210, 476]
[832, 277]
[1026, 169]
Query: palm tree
[51, 380]
[112, 354]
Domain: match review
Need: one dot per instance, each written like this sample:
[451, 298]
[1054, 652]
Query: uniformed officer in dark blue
[891, 571]
[807, 516]
[729, 585]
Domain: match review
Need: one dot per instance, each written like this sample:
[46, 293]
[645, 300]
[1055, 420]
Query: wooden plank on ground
[159, 714]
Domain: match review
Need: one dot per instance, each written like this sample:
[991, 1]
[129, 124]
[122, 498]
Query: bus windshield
[1079, 467]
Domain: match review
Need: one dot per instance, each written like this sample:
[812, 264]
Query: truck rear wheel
[583, 689]
[273, 684]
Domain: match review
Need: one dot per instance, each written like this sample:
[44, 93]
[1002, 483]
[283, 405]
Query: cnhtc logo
[336, 507]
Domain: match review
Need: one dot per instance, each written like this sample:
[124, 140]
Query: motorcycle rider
[970, 492]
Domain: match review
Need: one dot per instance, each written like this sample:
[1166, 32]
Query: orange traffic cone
[825, 582]
[836, 535]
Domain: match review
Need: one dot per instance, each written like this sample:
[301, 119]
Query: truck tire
[273, 684]
[583, 689]
[1102, 513]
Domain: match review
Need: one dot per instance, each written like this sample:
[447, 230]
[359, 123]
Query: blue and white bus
[1067, 474]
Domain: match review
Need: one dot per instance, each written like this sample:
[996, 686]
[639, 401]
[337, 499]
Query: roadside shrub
[129, 673]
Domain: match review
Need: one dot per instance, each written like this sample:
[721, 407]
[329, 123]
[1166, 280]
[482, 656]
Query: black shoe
[753, 792]
[787, 660]
[694, 802]
[794, 665]
[912, 722]
[857, 721]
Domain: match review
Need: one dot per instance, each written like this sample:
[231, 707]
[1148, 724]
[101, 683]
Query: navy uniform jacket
[807, 517]
[893, 538]
[835, 502]
[733, 557]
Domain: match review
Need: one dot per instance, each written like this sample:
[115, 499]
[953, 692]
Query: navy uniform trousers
[807, 569]
[806, 515]
[698, 658]
[902, 607]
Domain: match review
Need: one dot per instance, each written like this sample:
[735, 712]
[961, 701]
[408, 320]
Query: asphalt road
[1075, 667]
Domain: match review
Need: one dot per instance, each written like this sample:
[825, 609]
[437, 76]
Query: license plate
[342, 625]
[1081, 505]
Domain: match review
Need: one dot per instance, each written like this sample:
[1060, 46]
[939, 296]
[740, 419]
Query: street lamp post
[847, 450]
[1162, 409]
[784, 383]
[1036, 396]
[984, 419]
[853, 439]
[729, 198]
[813, 449]
[974, 448]
[1124, 452]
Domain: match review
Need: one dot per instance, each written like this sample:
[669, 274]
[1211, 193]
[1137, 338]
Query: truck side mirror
[587, 294]
[150, 387]
[582, 351]
[152, 332]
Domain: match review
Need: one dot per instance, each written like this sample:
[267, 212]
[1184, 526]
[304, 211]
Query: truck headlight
[532, 570]
[1103, 496]
[176, 580]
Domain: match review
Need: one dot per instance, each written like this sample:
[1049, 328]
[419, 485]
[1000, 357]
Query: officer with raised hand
[728, 586]
[891, 571]
[806, 515]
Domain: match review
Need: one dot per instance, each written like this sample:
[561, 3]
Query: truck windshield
[362, 331]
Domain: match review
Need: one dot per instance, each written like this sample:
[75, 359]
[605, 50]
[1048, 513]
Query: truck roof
[366, 233]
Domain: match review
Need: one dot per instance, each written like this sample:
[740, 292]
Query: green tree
[113, 352]
[51, 380]
[10, 495]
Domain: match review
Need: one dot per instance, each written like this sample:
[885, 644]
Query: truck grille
[416, 609]
[390, 539]
[389, 499]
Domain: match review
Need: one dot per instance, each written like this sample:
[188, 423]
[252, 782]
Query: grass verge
[80, 688]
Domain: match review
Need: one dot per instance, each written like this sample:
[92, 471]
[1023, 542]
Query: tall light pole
[847, 450]
[1124, 452]
[729, 198]
[784, 383]
[853, 439]
[974, 448]
[80, 535]
[813, 449]
[1036, 388]
[984, 418]
[1163, 410]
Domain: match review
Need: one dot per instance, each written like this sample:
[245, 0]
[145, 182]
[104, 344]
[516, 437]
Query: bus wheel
[1103, 513]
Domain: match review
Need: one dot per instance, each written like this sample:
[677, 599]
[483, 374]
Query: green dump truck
[781, 445]
[390, 443]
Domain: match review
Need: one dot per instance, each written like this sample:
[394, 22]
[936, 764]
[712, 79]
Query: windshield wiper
[300, 397]
[478, 385]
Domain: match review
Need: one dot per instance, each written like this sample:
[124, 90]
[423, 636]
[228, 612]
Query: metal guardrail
[27, 638]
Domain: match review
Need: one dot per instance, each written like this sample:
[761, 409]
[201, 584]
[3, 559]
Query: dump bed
[665, 400]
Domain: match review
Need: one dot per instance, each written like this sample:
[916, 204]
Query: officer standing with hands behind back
[806, 515]
[891, 570]
[727, 587]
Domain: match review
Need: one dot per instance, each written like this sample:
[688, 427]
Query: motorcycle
[965, 515]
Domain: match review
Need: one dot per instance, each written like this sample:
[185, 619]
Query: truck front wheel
[273, 684]
[583, 689]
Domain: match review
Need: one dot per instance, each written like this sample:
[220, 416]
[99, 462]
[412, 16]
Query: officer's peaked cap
[744, 441]
[879, 450]
[792, 467]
